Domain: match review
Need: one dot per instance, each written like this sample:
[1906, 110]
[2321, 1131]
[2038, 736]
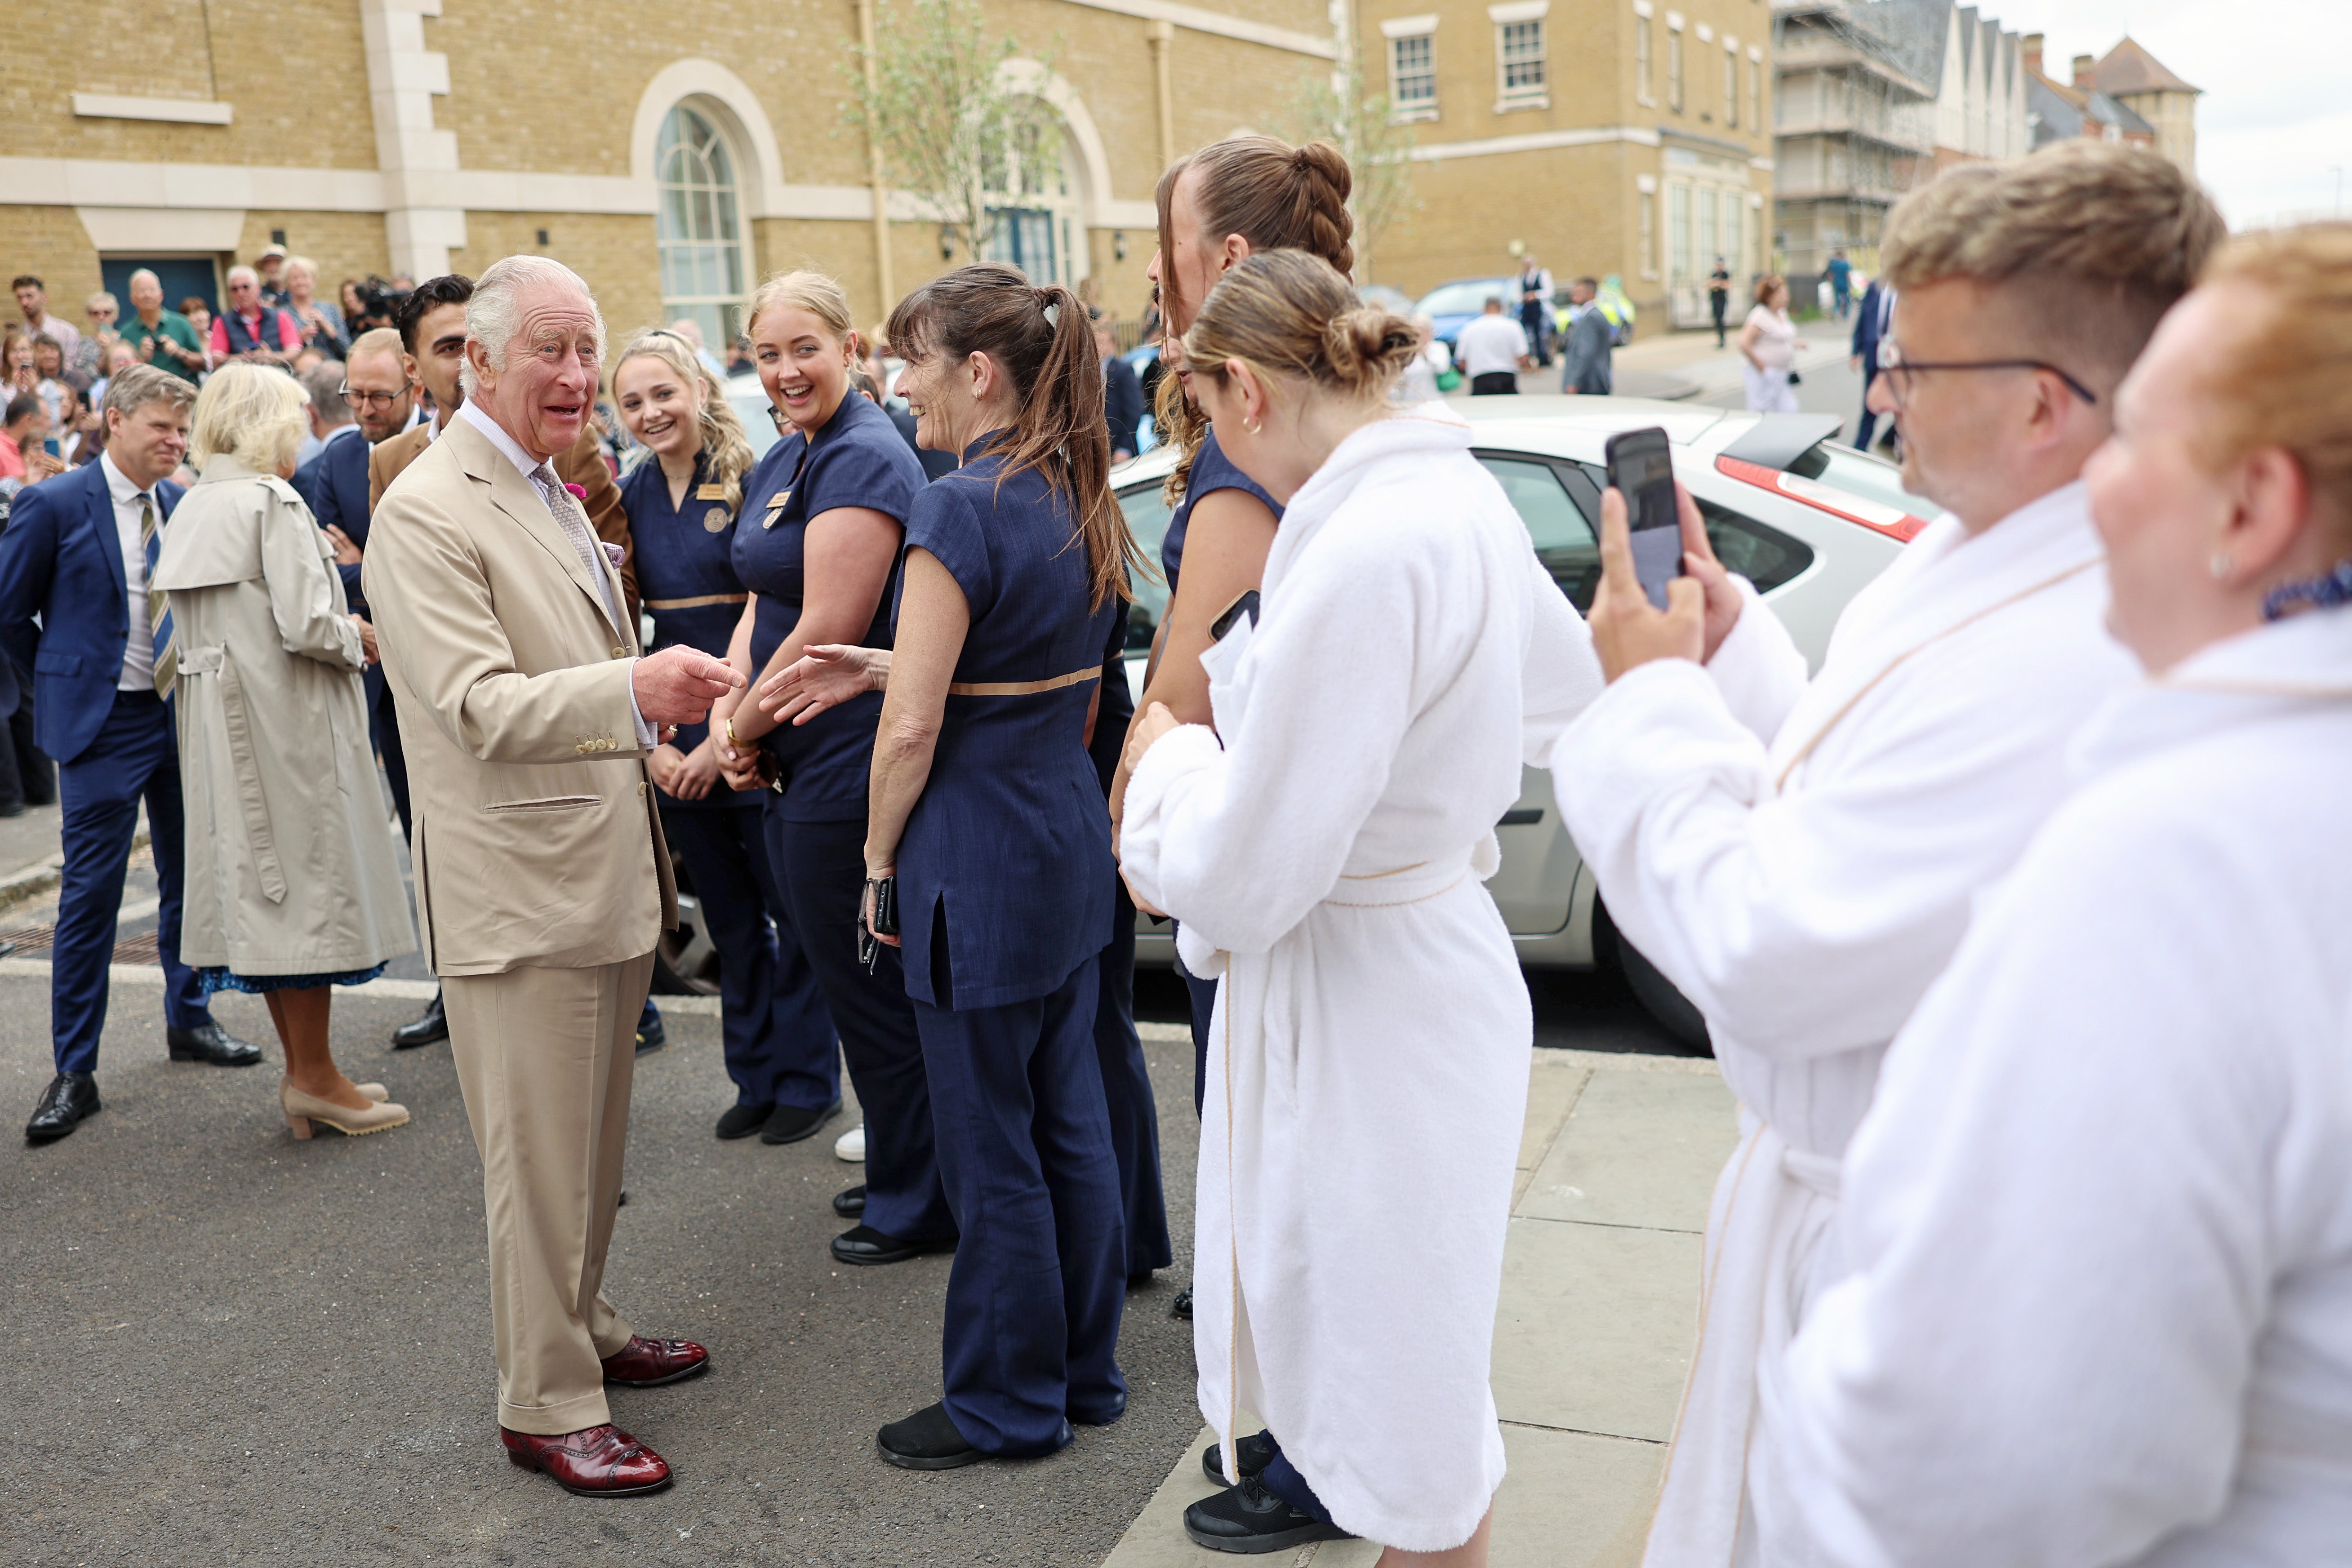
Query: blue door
[182, 276]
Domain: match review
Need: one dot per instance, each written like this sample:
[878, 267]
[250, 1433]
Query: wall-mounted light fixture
[947, 242]
[542, 238]
[1119, 244]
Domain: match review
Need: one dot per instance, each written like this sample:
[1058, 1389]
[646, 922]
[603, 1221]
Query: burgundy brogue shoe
[598, 1461]
[649, 1363]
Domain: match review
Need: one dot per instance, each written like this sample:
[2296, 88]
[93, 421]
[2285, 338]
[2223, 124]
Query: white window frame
[723, 193]
[1647, 256]
[1400, 32]
[1527, 95]
[1644, 62]
[1675, 97]
[1730, 85]
[1756, 90]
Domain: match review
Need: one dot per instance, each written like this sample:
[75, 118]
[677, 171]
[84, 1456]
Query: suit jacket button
[641, 787]
[620, 653]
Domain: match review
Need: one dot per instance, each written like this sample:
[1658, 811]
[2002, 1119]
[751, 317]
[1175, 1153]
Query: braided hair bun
[1290, 316]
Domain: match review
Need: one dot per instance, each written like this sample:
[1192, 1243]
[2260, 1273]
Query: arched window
[700, 229]
[1034, 216]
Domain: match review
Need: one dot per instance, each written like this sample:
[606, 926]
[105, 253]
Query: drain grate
[40, 942]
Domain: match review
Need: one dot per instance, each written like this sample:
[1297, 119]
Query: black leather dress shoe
[867, 1246]
[1180, 1308]
[850, 1202]
[654, 1039]
[210, 1043]
[428, 1027]
[791, 1123]
[1254, 1452]
[1250, 1518]
[927, 1440]
[70, 1096]
[742, 1120]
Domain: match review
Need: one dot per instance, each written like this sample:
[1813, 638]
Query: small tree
[1340, 107]
[941, 111]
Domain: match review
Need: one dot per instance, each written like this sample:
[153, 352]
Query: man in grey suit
[542, 878]
[1585, 359]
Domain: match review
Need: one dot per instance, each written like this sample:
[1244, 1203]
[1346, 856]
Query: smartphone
[49, 445]
[1642, 469]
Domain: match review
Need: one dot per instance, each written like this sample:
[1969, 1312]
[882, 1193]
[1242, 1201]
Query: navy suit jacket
[335, 484]
[61, 559]
[1865, 329]
[1122, 402]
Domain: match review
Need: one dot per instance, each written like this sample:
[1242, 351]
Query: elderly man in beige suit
[540, 871]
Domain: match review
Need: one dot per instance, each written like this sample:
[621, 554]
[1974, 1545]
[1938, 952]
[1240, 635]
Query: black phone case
[886, 907]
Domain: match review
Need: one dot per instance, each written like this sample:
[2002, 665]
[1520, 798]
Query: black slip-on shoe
[209, 1043]
[791, 1123]
[927, 1440]
[1180, 1308]
[850, 1202]
[654, 1039]
[742, 1120]
[867, 1247]
[1254, 1452]
[1249, 1519]
[70, 1099]
[426, 1029]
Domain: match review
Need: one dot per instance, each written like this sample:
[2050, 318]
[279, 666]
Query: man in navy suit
[1870, 325]
[1122, 393]
[374, 383]
[77, 555]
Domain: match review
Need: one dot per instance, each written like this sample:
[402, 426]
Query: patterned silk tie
[566, 510]
[159, 603]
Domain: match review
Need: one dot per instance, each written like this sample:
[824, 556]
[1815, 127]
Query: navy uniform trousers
[823, 876]
[135, 756]
[1034, 1299]
[777, 1035]
[1134, 1114]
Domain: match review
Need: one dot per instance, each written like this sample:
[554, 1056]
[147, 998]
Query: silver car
[1805, 518]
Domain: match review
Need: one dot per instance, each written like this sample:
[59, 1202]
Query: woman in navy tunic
[818, 547]
[986, 810]
[682, 506]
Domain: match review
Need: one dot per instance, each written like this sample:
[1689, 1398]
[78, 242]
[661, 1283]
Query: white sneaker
[851, 1145]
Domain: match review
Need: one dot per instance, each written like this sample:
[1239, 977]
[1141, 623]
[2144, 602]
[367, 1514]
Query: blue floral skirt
[215, 981]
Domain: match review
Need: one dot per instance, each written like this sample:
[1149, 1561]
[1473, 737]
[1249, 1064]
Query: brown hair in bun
[1291, 317]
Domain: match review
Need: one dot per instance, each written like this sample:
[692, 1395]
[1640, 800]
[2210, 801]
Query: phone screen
[1642, 469]
[49, 445]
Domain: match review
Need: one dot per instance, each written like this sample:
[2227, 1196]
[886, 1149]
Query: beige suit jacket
[537, 841]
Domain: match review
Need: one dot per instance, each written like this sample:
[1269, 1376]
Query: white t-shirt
[1491, 343]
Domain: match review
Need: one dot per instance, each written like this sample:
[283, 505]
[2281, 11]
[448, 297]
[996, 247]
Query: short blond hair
[2287, 379]
[252, 413]
[2089, 242]
[376, 340]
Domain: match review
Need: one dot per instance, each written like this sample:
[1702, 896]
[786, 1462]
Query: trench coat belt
[201, 660]
[1022, 687]
[1817, 1173]
[696, 602]
[1403, 885]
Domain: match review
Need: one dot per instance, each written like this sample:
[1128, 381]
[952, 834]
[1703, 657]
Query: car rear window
[1146, 518]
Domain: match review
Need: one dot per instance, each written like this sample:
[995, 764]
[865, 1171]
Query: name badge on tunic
[715, 520]
[775, 507]
[710, 492]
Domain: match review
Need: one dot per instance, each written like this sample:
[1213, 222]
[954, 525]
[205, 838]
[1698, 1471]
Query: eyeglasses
[372, 399]
[1899, 370]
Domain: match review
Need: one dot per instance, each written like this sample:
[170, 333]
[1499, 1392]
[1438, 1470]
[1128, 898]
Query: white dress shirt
[1492, 343]
[526, 465]
[139, 650]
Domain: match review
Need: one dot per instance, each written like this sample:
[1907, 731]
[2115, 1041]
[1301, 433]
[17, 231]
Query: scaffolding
[1854, 124]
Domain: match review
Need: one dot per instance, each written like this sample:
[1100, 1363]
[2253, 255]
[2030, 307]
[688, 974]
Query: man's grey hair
[134, 386]
[247, 273]
[324, 383]
[146, 273]
[494, 315]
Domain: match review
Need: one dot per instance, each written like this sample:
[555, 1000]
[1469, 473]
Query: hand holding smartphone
[1642, 469]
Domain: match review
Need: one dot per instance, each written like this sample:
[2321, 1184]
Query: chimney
[2032, 48]
[2085, 68]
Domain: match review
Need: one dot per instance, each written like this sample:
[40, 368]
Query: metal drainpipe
[876, 184]
[1163, 34]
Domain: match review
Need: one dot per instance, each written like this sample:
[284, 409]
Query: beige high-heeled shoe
[302, 1110]
[375, 1092]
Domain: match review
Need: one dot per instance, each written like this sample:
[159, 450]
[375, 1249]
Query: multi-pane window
[1755, 94]
[1649, 254]
[1522, 47]
[1731, 88]
[1707, 252]
[697, 234]
[1641, 60]
[1678, 232]
[1032, 216]
[1412, 72]
[1675, 69]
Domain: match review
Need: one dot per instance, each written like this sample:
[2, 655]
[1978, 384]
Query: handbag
[1449, 380]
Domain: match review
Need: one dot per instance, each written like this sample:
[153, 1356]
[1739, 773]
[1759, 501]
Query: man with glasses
[1799, 857]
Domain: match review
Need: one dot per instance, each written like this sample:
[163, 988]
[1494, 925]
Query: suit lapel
[102, 533]
[516, 496]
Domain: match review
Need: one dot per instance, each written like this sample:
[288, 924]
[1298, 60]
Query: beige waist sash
[1022, 687]
[696, 602]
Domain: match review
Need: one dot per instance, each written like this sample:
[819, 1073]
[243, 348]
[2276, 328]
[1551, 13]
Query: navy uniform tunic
[1004, 881]
[779, 1040]
[816, 819]
[1212, 471]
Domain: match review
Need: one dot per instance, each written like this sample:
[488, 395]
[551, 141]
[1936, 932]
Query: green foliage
[1340, 107]
[938, 107]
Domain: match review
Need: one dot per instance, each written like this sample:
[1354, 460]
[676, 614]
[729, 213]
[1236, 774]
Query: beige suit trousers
[545, 1058]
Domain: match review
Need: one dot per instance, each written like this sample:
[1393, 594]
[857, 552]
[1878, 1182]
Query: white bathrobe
[1799, 860]
[1367, 1063]
[2100, 1220]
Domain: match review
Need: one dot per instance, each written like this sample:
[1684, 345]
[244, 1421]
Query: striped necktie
[569, 515]
[159, 603]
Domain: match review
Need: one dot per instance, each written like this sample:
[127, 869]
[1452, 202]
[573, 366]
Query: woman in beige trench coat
[293, 884]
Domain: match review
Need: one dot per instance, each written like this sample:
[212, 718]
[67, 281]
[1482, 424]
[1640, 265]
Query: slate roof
[2129, 69]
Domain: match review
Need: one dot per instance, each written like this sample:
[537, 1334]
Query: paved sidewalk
[1600, 1306]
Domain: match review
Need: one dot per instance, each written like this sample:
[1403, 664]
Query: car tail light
[1892, 521]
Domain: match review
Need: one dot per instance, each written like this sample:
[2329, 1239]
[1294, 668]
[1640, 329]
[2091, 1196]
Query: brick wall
[344, 245]
[50, 244]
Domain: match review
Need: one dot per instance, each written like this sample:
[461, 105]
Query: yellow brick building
[672, 154]
[1626, 137]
